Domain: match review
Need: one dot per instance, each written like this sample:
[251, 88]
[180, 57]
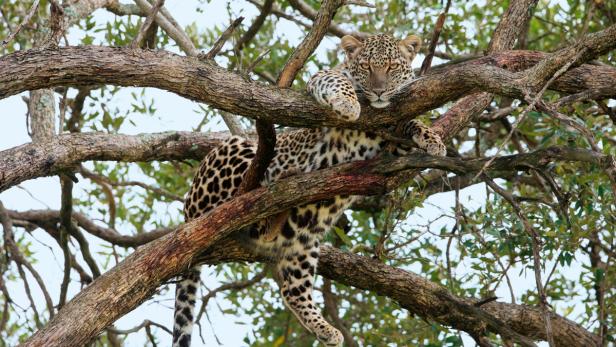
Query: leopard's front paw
[425, 138]
[347, 108]
[436, 148]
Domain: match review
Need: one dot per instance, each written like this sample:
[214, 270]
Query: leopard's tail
[185, 296]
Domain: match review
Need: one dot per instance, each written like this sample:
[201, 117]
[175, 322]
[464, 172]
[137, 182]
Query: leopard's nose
[378, 91]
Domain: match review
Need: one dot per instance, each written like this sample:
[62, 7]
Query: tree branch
[136, 278]
[208, 83]
[64, 152]
[47, 217]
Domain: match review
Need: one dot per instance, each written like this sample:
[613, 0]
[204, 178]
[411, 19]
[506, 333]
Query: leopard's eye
[394, 66]
[364, 66]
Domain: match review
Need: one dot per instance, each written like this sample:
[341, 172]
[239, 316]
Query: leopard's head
[380, 65]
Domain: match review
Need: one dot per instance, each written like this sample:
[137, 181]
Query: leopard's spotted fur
[377, 67]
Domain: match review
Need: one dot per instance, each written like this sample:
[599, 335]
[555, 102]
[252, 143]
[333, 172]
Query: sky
[175, 113]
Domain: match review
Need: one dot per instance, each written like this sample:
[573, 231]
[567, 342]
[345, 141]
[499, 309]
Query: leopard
[377, 68]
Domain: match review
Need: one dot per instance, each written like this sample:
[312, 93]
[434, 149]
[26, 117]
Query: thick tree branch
[516, 18]
[64, 152]
[429, 300]
[136, 277]
[208, 83]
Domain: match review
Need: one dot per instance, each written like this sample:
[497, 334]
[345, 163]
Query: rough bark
[427, 299]
[42, 113]
[422, 297]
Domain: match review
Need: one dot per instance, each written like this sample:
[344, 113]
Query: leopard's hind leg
[297, 272]
[299, 254]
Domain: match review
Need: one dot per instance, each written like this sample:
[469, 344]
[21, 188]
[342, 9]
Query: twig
[65, 218]
[102, 179]
[19, 259]
[25, 21]
[307, 11]
[171, 28]
[75, 120]
[589, 94]
[266, 9]
[281, 14]
[542, 106]
[250, 68]
[106, 188]
[238, 285]
[530, 106]
[146, 323]
[221, 40]
[425, 66]
[146, 25]
[24, 279]
[498, 114]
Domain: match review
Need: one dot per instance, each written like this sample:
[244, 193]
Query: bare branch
[89, 174]
[146, 25]
[145, 324]
[266, 9]
[238, 285]
[65, 152]
[65, 216]
[19, 259]
[536, 245]
[307, 11]
[22, 24]
[222, 40]
[44, 217]
[167, 24]
[425, 66]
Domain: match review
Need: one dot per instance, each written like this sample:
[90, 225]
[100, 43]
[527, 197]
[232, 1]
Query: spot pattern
[377, 67]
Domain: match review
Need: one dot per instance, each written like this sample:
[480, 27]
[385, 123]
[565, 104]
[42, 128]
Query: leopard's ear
[351, 45]
[410, 46]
